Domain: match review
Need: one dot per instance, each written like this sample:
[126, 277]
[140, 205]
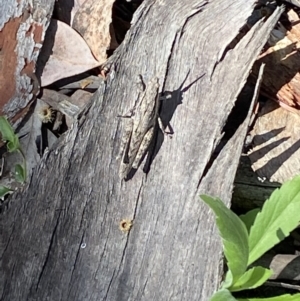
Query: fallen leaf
[282, 58]
[70, 54]
[94, 22]
[80, 98]
[275, 152]
[66, 10]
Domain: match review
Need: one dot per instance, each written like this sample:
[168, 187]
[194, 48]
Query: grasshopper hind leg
[144, 148]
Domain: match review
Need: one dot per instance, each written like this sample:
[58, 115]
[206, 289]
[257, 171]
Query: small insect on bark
[140, 126]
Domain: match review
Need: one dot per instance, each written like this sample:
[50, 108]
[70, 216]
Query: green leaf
[222, 295]
[13, 145]
[4, 191]
[8, 135]
[20, 173]
[249, 218]
[234, 236]
[253, 278]
[287, 297]
[278, 217]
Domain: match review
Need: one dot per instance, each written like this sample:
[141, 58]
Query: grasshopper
[140, 128]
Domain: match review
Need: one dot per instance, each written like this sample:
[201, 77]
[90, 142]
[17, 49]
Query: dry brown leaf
[70, 54]
[93, 21]
[281, 76]
[80, 98]
[91, 83]
[60, 102]
[85, 82]
[276, 144]
[66, 10]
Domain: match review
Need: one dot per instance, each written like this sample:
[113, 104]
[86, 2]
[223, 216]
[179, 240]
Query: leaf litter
[76, 44]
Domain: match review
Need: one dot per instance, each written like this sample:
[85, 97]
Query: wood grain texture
[250, 191]
[61, 237]
[275, 144]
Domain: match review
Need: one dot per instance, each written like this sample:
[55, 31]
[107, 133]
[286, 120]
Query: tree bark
[22, 30]
[61, 238]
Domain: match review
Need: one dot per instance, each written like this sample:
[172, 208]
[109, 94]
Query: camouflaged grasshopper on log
[140, 126]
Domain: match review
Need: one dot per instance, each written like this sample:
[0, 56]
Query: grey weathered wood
[284, 266]
[249, 190]
[61, 237]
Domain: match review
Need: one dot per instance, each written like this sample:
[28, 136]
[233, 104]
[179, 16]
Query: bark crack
[74, 265]
[48, 253]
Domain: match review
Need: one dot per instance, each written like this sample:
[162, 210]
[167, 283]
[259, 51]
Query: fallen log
[61, 237]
